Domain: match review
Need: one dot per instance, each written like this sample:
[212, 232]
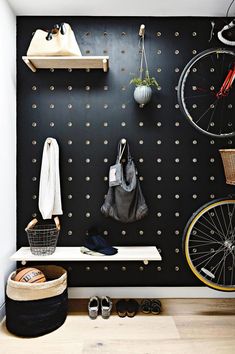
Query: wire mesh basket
[42, 238]
[228, 158]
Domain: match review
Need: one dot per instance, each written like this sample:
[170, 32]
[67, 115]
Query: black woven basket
[42, 238]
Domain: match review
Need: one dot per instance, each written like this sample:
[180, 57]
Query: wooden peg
[105, 65]
[142, 30]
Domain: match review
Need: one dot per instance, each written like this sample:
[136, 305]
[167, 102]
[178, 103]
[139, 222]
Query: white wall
[7, 144]
[122, 7]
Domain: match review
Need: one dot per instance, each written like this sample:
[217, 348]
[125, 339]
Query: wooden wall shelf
[127, 253]
[67, 62]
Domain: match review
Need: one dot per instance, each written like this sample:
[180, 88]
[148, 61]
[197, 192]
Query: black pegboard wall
[88, 112]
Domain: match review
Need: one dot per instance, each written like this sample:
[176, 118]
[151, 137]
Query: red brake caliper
[227, 84]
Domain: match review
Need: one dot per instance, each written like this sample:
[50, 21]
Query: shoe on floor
[121, 308]
[93, 307]
[106, 307]
[132, 307]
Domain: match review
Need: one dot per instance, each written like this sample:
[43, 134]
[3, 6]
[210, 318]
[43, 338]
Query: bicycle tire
[189, 236]
[181, 84]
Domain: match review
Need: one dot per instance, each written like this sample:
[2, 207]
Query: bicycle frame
[227, 84]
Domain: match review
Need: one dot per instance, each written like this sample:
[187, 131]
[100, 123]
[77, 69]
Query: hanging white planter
[142, 94]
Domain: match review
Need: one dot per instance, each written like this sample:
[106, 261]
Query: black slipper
[145, 306]
[155, 306]
[132, 307]
[121, 308]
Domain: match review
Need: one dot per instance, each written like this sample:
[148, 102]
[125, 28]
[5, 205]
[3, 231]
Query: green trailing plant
[146, 81]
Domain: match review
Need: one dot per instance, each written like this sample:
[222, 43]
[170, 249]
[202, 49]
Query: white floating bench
[127, 253]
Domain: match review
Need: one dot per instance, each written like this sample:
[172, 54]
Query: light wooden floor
[185, 326]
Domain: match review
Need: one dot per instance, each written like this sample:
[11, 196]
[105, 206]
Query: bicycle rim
[199, 82]
[209, 244]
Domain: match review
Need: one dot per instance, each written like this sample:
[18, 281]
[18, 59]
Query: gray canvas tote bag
[125, 201]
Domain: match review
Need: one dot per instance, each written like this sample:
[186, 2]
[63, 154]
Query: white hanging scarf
[49, 188]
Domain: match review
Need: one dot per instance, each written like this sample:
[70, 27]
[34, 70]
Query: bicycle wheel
[199, 90]
[209, 244]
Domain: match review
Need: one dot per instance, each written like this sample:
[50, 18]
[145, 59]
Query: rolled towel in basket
[49, 188]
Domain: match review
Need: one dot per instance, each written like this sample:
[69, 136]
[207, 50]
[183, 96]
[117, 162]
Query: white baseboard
[2, 311]
[148, 292]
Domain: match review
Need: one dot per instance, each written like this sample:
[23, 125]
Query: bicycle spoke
[203, 115]
[209, 258]
[214, 228]
[221, 269]
[232, 270]
[203, 244]
[221, 249]
[207, 236]
[198, 96]
[221, 234]
[212, 115]
[230, 219]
